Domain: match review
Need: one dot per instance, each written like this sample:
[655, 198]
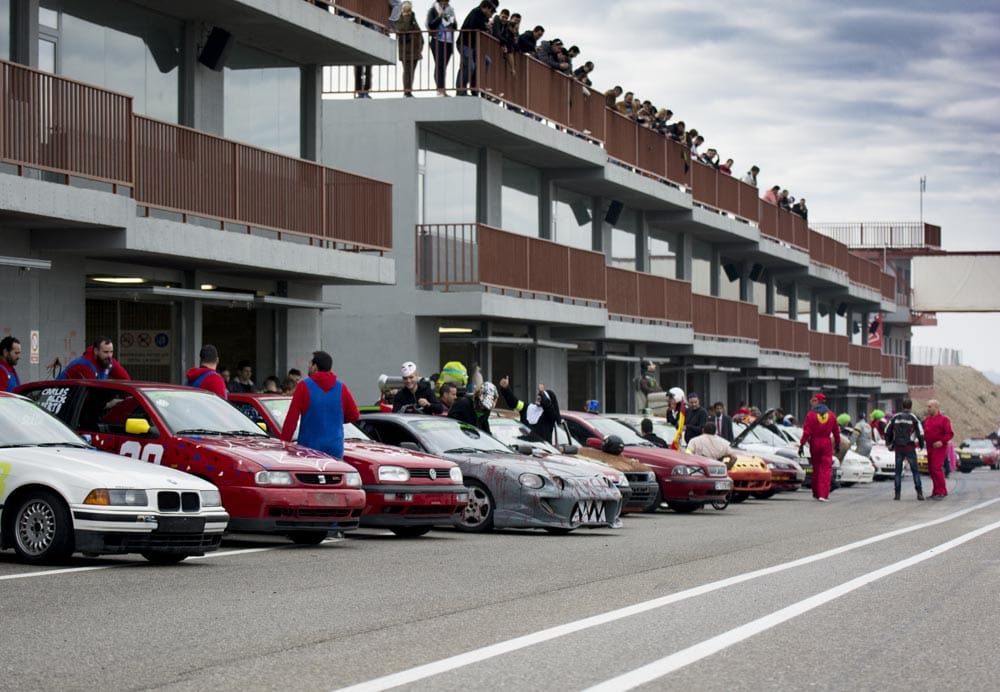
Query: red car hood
[376, 453]
[271, 454]
[658, 457]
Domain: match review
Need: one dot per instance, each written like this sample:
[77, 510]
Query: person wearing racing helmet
[613, 445]
[416, 393]
[475, 408]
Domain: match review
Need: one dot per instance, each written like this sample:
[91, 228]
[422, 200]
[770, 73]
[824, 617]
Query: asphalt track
[860, 593]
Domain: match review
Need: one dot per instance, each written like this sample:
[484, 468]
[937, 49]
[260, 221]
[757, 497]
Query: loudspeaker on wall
[614, 212]
[216, 49]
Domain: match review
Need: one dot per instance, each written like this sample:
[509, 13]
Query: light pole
[923, 189]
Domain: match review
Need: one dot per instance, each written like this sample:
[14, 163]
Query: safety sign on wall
[145, 347]
[33, 350]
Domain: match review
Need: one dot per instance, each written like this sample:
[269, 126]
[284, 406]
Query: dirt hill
[968, 398]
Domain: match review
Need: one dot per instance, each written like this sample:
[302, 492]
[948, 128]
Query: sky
[844, 102]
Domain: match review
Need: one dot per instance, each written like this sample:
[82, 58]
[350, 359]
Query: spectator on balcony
[581, 73]
[572, 54]
[661, 123]
[726, 167]
[441, 24]
[476, 22]
[646, 116]
[676, 131]
[611, 96]
[551, 53]
[504, 30]
[771, 196]
[751, 177]
[395, 10]
[528, 41]
[626, 106]
[785, 200]
[410, 41]
[710, 158]
[801, 209]
[696, 142]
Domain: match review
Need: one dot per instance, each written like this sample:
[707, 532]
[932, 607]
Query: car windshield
[769, 437]
[278, 408]
[606, 427]
[512, 432]
[441, 435]
[197, 412]
[23, 424]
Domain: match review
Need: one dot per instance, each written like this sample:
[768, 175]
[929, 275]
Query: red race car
[266, 485]
[407, 492]
[687, 482]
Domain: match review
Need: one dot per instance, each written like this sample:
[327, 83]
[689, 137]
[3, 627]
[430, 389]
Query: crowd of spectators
[447, 37]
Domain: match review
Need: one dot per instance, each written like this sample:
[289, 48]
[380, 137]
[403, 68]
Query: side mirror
[595, 442]
[412, 446]
[262, 425]
[524, 448]
[137, 426]
[570, 449]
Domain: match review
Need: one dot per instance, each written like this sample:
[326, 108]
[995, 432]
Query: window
[701, 267]
[571, 220]
[447, 174]
[106, 410]
[623, 241]
[5, 29]
[522, 187]
[663, 256]
[262, 94]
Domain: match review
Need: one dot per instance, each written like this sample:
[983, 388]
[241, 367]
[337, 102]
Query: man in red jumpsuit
[937, 435]
[819, 429]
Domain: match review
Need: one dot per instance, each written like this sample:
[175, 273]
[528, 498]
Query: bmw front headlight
[116, 497]
[531, 480]
[211, 498]
[273, 478]
[393, 474]
[456, 474]
[353, 479]
[623, 483]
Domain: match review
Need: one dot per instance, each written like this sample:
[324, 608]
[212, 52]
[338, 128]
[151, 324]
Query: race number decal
[152, 453]
[4, 472]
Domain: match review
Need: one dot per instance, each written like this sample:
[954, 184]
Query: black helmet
[613, 445]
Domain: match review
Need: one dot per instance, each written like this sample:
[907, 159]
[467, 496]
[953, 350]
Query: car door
[59, 400]
[104, 413]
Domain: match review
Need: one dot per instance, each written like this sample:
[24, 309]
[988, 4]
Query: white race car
[59, 496]
[885, 462]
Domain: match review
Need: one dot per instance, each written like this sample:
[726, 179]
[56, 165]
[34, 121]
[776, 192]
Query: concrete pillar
[24, 33]
[793, 301]
[642, 262]
[832, 317]
[489, 181]
[685, 250]
[311, 107]
[746, 284]
[714, 271]
[546, 196]
[769, 294]
[191, 321]
[813, 313]
[202, 91]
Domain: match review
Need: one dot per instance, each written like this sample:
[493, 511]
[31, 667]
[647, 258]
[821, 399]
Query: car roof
[136, 384]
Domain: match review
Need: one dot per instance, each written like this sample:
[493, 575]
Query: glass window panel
[623, 249]
[5, 29]
[46, 17]
[662, 258]
[571, 219]
[522, 186]
[730, 290]
[701, 267]
[46, 55]
[262, 100]
[449, 180]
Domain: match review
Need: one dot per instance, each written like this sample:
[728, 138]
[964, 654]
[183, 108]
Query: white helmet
[488, 395]
[408, 368]
[677, 394]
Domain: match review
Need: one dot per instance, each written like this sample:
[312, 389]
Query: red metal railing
[862, 359]
[730, 318]
[828, 348]
[190, 172]
[456, 255]
[780, 334]
[828, 252]
[894, 368]
[863, 272]
[888, 286]
[920, 375]
[56, 124]
[376, 13]
[636, 294]
[900, 235]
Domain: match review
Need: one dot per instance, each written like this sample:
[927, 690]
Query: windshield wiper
[462, 450]
[78, 445]
[244, 433]
[199, 431]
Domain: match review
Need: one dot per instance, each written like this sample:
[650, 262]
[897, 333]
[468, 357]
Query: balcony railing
[780, 334]
[828, 252]
[724, 318]
[54, 124]
[894, 368]
[374, 14]
[828, 348]
[862, 359]
[864, 273]
[635, 294]
[887, 235]
[920, 375]
[456, 256]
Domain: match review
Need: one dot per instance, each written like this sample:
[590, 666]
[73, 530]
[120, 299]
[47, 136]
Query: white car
[854, 468]
[884, 461]
[59, 496]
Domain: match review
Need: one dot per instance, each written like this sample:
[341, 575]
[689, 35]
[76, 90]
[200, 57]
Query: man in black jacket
[477, 20]
[694, 418]
[474, 409]
[416, 393]
[723, 422]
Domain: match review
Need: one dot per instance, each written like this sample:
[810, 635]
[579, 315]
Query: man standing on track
[937, 435]
[903, 433]
[325, 404]
[822, 434]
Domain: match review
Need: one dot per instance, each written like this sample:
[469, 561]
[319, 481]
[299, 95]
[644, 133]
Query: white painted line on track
[697, 652]
[445, 665]
[207, 556]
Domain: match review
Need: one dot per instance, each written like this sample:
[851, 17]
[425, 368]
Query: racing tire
[737, 498]
[685, 507]
[764, 494]
[42, 529]
[653, 506]
[477, 517]
[308, 537]
[964, 469]
[722, 504]
[411, 531]
[163, 558]
[846, 484]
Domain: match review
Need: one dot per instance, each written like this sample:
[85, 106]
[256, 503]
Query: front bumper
[751, 481]
[785, 481]
[101, 532]
[582, 503]
[695, 489]
[388, 506]
[270, 509]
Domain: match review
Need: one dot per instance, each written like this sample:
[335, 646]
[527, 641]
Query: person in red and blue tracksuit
[96, 363]
[10, 353]
[822, 434]
[206, 375]
[324, 403]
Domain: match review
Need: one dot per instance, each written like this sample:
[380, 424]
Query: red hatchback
[407, 492]
[266, 485]
[687, 482]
